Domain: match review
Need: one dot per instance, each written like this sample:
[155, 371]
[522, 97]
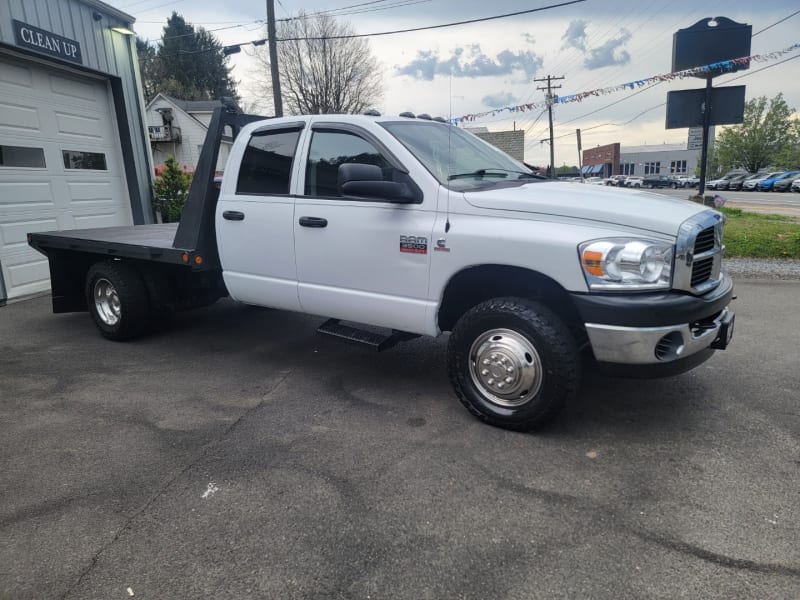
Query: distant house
[178, 128]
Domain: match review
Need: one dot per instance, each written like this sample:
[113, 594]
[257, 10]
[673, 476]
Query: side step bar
[371, 339]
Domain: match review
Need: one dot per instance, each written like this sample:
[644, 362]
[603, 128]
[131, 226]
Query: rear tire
[117, 299]
[513, 363]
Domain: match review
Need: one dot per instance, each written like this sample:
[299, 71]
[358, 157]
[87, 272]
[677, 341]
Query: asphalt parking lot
[239, 455]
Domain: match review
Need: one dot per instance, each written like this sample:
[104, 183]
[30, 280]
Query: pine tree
[189, 64]
[193, 66]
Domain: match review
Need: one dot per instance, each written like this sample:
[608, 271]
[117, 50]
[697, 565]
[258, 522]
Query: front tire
[513, 363]
[117, 299]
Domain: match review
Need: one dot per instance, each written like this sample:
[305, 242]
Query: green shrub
[170, 191]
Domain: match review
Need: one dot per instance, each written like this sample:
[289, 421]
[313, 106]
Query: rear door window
[266, 168]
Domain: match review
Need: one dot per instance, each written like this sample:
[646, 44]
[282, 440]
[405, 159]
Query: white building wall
[641, 155]
[106, 52]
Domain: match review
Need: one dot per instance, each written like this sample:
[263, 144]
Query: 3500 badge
[413, 244]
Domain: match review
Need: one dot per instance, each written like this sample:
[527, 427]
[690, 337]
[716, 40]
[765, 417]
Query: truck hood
[604, 204]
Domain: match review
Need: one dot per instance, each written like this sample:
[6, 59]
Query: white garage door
[60, 164]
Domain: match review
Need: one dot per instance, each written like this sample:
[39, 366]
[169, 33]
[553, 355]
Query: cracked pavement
[239, 455]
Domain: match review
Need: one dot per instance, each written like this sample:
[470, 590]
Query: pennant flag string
[725, 66]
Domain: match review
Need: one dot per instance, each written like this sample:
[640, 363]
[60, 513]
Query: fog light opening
[669, 347]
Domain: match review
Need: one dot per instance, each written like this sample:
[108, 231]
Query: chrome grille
[698, 253]
[702, 270]
[704, 241]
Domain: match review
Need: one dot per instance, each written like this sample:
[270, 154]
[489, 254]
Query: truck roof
[343, 118]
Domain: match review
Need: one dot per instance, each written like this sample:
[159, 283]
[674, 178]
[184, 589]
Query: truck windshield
[456, 158]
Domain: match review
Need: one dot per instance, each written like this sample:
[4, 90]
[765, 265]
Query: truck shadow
[263, 339]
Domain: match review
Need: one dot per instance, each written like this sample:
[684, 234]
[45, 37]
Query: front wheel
[513, 363]
[117, 299]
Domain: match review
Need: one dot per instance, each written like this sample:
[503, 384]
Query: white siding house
[178, 128]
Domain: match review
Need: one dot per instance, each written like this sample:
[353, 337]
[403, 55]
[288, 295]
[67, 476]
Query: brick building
[510, 142]
[602, 161]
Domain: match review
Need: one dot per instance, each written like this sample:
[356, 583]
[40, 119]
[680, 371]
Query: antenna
[449, 151]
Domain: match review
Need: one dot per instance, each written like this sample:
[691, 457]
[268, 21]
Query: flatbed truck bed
[146, 242]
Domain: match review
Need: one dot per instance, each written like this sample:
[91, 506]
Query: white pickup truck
[420, 228]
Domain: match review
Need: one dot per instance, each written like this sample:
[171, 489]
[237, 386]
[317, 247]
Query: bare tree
[320, 74]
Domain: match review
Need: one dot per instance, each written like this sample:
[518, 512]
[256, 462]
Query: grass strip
[755, 235]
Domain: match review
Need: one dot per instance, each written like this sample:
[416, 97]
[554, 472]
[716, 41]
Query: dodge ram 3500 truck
[420, 228]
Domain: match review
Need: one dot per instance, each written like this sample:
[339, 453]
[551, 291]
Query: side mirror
[356, 179]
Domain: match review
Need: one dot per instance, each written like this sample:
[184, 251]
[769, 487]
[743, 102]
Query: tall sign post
[711, 42]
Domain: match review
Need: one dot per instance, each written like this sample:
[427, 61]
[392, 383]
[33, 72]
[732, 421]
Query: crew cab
[420, 228]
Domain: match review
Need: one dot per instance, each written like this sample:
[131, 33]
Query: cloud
[575, 36]
[609, 54]
[470, 61]
[499, 99]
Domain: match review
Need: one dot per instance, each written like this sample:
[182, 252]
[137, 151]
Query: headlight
[627, 264]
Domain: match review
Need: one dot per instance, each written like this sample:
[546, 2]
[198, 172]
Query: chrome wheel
[505, 367]
[106, 302]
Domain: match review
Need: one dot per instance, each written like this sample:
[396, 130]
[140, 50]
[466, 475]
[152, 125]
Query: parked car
[766, 184]
[617, 180]
[733, 182]
[738, 184]
[722, 182]
[594, 180]
[685, 181]
[633, 182]
[657, 181]
[785, 184]
[751, 185]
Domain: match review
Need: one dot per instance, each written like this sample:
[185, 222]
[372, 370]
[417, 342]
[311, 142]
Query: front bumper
[660, 328]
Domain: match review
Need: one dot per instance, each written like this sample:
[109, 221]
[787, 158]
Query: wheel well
[168, 286]
[480, 283]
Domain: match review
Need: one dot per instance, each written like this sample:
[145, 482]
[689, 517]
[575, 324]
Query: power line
[172, 37]
[159, 6]
[629, 96]
[763, 68]
[647, 110]
[480, 20]
[261, 42]
[332, 12]
[777, 23]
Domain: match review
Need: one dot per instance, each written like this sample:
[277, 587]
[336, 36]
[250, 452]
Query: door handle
[313, 222]
[233, 215]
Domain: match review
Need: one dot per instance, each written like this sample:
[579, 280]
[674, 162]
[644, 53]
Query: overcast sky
[472, 68]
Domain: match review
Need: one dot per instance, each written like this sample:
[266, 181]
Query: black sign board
[45, 42]
[711, 41]
[685, 107]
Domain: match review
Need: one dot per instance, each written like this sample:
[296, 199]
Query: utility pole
[550, 89]
[273, 59]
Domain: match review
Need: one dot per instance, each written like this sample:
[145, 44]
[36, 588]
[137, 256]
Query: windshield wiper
[490, 172]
